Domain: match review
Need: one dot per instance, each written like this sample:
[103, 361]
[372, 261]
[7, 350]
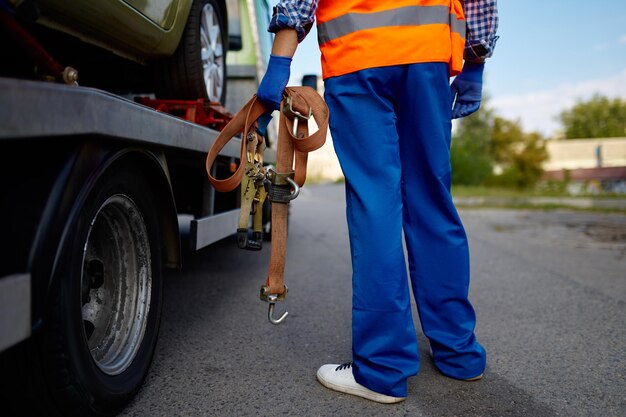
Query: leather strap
[303, 99]
[290, 148]
[243, 121]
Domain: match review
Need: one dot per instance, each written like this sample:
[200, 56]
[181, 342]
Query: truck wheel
[198, 67]
[104, 322]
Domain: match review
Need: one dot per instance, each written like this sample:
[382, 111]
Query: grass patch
[538, 199]
[540, 207]
[479, 191]
[482, 191]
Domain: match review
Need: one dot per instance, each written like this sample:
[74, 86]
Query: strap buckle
[293, 114]
[281, 185]
[253, 194]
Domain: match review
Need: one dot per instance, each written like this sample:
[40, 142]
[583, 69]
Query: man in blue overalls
[386, 66]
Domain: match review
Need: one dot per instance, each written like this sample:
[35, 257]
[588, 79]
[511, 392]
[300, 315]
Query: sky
[550, 54]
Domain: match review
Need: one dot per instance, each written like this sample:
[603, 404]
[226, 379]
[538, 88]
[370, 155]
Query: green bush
[484, 141]
[470, 164]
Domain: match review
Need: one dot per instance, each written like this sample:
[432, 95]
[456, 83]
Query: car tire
[198, 67]
[103, 320]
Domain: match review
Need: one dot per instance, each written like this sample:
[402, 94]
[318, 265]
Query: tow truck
[96, 190]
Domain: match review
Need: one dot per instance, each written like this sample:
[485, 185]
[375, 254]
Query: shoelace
[343, 366]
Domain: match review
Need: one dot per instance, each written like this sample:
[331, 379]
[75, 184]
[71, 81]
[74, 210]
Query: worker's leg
[437, 245]
[363, 125]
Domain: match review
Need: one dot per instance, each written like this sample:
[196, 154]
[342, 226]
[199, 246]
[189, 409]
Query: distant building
[323, 164]
[601, 162]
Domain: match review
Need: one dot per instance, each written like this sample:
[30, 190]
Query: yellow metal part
[257, 209]
[248, 192]
[253, 193]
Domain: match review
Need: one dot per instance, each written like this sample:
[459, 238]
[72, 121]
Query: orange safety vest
[359, 34]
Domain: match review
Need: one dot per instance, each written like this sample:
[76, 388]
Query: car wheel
[103, 324]
[198, 67]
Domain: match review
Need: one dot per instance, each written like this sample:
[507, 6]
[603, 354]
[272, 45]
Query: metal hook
[270, 315]
[296, 188]
[271, 299]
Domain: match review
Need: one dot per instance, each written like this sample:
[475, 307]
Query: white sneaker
[340, 378]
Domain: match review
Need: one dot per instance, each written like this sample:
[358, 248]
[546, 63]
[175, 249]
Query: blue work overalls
[391, 129]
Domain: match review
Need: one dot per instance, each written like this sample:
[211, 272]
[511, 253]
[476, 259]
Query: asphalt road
[549, 289]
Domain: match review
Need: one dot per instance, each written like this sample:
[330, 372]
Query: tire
[103, 324]
[198, 67]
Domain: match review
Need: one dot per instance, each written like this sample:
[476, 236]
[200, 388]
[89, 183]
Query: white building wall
[323, 164]
[583, 153]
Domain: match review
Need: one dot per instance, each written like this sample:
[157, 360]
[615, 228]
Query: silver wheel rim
[116, 283]
[212, 53]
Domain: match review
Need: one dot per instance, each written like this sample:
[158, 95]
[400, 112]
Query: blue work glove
[262, 123]
[274, 82]
[466, 90]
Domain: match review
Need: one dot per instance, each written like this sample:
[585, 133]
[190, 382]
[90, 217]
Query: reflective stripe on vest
[359, 34]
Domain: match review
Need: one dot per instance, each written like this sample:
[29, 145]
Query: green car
[182, 42]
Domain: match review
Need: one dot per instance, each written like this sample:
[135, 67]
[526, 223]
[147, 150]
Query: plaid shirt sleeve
[482, 24]
[294, 14]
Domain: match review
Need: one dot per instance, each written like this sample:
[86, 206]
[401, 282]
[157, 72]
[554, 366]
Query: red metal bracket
[200, 111]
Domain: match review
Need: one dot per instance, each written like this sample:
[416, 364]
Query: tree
[599, 117]
[490, 150]
[471, 161]
[519, 155]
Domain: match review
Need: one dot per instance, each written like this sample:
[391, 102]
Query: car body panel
[161, 12]
[118, 26]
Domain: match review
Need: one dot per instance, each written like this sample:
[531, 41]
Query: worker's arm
[285, 43]
[482, 24]
[291, 22]
[298, 15]
[278, 69]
